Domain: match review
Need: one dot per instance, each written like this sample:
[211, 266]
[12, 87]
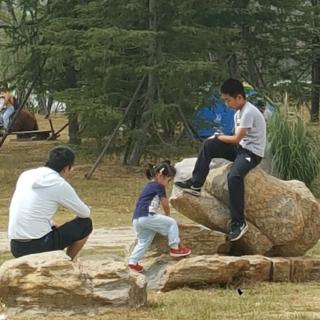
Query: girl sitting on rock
[147, 221]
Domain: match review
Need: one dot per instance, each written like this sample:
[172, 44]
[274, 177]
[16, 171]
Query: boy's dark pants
[243, 161]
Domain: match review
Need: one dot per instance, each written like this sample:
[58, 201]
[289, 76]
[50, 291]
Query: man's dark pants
[58, 239]
[243, 161]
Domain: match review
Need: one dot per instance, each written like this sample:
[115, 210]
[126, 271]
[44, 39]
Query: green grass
[295, 151]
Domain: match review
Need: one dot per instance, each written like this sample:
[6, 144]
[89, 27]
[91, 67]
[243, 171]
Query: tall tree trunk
[73, 128]
[49, 104]
[136, 121]
[315, 95]
[74, 137]
[138, 146]
[233, 68]
[253, 77]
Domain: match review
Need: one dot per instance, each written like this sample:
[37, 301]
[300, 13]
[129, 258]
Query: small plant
[295, 152]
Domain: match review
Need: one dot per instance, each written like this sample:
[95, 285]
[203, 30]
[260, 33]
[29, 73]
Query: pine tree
[96, 53]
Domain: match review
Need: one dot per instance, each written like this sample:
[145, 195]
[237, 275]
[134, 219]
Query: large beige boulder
[51, 282]
[283, 216]
[214, 214]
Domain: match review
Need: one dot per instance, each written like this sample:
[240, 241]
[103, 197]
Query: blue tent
[212, 118]
[218, 116]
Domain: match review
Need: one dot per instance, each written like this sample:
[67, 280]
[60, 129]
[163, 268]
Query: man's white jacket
[39, 192]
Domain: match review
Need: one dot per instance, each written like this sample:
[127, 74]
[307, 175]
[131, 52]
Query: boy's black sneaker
[188, 187]
[237, 232]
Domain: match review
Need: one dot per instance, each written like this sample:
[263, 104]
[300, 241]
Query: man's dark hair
[59, 157]
[233, 88]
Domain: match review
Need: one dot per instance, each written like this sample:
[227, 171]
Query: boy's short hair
[233, 88]
[60, 157]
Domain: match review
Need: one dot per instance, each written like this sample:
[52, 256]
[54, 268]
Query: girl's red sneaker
[136, 267]
[180, 252]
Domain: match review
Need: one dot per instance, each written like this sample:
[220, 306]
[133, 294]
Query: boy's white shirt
[39, 192]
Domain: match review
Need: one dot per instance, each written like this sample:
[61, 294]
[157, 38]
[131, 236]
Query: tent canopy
[217, 116]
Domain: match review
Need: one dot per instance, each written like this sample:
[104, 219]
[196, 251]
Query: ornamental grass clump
[295, 152]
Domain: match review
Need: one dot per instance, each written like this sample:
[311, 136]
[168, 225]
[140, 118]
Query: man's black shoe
[188, 187]
[237, 231]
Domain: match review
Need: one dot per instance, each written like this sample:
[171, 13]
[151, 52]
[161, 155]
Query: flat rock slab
[51, 282]
[215, 270]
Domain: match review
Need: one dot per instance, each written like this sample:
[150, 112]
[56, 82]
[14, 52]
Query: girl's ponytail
[165, 168]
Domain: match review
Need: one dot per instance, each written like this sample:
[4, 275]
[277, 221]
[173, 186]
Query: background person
[8, 106]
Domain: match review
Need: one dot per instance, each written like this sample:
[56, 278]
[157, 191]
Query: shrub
[295, 151]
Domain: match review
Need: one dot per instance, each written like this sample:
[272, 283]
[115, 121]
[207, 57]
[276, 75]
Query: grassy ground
[112, 193]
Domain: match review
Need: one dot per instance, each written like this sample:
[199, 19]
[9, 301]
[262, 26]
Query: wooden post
[51, 126]
[56, 134]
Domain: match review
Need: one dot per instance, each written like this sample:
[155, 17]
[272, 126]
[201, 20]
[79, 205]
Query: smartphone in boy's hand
[216, 134]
